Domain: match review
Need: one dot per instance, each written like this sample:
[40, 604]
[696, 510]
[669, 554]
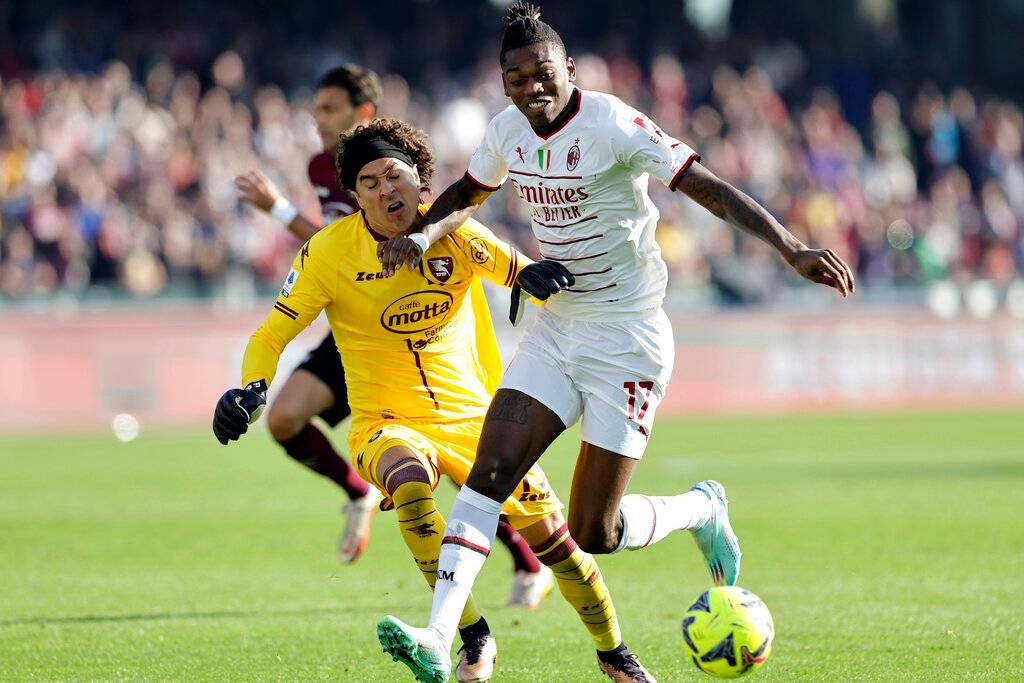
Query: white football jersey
[586, 184]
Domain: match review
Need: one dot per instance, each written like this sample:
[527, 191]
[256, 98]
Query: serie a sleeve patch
[289, 282]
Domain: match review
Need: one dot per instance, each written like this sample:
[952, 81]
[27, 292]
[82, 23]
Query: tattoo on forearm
[510, 406]
[450, 201]
[734, 206]
[745, 213]
[705, 191]
[453, 208]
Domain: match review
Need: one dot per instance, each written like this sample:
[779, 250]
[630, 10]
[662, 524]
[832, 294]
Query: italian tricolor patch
[543, 159]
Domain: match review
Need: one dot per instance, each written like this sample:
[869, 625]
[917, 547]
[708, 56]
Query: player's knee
[417, 510]
[285, 423]
[493, 478]
[596, 538]
[410, 479]
[403, 475]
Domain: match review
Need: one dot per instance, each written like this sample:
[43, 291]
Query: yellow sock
[421, 524]
[581, 583]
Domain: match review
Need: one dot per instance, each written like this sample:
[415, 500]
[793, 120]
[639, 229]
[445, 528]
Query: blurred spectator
[124, 181]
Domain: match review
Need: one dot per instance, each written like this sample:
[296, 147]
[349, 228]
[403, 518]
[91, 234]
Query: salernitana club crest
[441, 267]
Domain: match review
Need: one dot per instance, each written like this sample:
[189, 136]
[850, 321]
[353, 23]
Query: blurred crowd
[123, 180]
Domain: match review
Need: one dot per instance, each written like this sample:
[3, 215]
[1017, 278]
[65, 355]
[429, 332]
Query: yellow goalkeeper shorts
[449, 449]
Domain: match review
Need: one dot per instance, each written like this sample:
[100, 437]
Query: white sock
[648, 519]
[467, 540]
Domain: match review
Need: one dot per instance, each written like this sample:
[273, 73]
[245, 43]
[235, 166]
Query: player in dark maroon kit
[346, 97]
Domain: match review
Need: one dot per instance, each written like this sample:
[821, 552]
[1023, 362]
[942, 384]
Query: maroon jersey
[335, 201]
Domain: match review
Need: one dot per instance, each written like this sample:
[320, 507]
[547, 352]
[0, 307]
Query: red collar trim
[576, 95]
[377, 237]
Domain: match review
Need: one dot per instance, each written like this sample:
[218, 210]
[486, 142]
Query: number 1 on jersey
[645, 386]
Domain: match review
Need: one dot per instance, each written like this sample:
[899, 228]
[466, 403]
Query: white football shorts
[613, 375]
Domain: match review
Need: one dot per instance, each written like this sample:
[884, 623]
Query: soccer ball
[728, 632]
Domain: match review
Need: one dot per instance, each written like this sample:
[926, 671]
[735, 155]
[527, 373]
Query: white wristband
[420, 241]
[284, 211]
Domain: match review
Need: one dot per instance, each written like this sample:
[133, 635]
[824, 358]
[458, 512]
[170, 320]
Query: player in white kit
[601, 349]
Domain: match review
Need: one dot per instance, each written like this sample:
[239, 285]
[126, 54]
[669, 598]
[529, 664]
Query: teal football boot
[716, 540]
[418, 648]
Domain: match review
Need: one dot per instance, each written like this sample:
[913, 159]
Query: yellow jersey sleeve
[489, 257]
[307, 290]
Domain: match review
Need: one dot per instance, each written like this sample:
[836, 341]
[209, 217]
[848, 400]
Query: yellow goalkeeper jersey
[418, 346]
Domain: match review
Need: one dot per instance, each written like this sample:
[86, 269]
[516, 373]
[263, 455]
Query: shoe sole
[402, 648]
[610, 673]
[475, 680]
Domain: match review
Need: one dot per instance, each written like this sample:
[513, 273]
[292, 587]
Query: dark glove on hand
[544, 278]
[540, 280]
[237, 409]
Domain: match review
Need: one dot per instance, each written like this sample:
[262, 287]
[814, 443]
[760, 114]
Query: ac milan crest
[573, 157]
[441, 267]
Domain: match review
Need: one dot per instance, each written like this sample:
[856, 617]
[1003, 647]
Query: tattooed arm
[735, 207]
[455, 206]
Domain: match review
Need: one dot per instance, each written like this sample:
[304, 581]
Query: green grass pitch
[887, 547]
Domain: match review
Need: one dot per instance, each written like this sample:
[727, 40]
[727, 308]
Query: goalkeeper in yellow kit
[421, 365]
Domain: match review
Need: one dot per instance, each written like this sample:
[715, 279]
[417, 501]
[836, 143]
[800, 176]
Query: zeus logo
[363, 276]
[443, 575]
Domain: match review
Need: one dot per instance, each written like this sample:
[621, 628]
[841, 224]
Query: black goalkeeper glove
[540, 280]
[237, 409]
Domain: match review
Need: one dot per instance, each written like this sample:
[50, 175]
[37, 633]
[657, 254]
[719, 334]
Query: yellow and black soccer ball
[728, 632]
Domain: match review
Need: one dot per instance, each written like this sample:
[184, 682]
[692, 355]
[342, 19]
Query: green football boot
[418, 648]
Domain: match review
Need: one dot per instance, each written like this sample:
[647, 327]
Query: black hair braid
[523, 27]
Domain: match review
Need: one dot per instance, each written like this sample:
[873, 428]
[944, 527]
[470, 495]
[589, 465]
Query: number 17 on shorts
[637, 403]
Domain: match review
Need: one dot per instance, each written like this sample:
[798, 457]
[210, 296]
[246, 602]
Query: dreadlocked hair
[400, 134]
[523, 27]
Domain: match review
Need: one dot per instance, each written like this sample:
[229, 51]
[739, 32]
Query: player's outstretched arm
[258, 190]
[732, 205]
[304, 295]
[453, 208]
